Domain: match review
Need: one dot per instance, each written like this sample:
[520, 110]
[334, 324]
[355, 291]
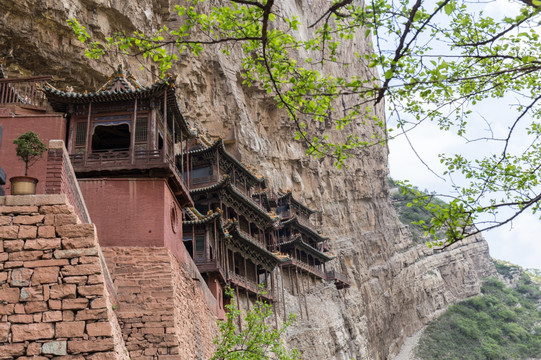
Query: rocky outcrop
[396, 286]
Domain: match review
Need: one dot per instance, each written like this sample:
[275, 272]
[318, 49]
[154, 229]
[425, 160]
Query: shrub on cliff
[256, 339]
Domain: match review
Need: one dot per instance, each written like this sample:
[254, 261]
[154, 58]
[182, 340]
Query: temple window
[200, 247]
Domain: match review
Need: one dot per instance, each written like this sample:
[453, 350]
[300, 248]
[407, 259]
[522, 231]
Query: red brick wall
[162, 311]
[48, 125]
[134, 212]
[61, 178]
[53, 298]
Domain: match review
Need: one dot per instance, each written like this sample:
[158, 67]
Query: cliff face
[396, 287]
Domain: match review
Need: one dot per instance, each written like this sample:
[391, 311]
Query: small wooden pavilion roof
[121, 86]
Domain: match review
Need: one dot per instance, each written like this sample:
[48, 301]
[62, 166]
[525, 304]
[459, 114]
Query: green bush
[502, 323]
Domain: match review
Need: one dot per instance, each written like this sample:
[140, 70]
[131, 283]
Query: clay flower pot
[23, 185]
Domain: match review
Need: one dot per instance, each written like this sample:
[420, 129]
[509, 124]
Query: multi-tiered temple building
[148, 180]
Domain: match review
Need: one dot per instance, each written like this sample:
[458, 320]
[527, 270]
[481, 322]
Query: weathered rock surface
[397, 287]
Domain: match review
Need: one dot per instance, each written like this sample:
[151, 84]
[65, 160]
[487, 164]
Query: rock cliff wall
[396, 286]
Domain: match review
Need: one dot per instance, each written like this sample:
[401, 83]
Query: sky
[518, 242]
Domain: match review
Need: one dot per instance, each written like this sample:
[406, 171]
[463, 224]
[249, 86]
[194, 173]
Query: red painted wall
[49, 126]
[133, 212]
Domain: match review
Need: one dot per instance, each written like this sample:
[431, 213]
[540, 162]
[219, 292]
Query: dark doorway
[111, 137]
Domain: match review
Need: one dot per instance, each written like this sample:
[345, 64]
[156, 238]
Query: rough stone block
[93, 314]
[56, 209]
[21, 319]
[13, 245]
[86, 269]
[4, 332]
[3, 277]
[95, 279]
[79, 280]
[20, 277]
[12, 350]
[55, 304]
[52, 316]
[69, 329]
[45, 275]
[32, 332]
[83, 346]
[25, 255]
[27, 232]
[98, 303]
[86, 242]
[28, 219]
[34, 293]
[5, 220]
[44, 263]
[6, 309]
[74, 253]
[68, 315]
[35, 307]
[65, 219]
[4, 256]
[34, 349]
[12, 264]
[89, 260]
[76, 231]
[63, 291]
[90, 290]
[9, 232]
[9, 295]
[75, 304]
[54, 348]
[18, 209]
[49, 220]
[43, 244]
[103, 356]
[102, 328]
[46, 231]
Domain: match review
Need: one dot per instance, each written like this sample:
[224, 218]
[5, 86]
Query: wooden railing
[310, 268]
[117, 157]
[252, 238]
[23, 92]
[340, 279]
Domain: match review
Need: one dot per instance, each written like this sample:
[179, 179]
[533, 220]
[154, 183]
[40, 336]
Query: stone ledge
[35, 200]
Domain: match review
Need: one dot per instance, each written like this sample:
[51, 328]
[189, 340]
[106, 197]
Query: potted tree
[30, 149]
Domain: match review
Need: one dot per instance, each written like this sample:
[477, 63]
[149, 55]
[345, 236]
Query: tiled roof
[232, 228]
[295, 202]
[206, 147]
[120, 86]
[294, 221]
[198, 218]
[225, 183]
[298, 242]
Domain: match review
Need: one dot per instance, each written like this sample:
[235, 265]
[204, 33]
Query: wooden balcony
[121, 161]
[24, 92]
[116, 160]
[340, 280]
[211, 266]
[249, 285]
[305, 267]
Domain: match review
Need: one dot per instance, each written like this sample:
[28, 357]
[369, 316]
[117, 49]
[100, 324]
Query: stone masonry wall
[162, 311]
[53, 299]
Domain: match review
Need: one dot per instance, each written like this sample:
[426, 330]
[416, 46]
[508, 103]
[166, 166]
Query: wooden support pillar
[283, 291]
[238, 307]
[88, 133]
[274, 299]
[133, 129]
[165, 129]
[298, 292]
[305, 302]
